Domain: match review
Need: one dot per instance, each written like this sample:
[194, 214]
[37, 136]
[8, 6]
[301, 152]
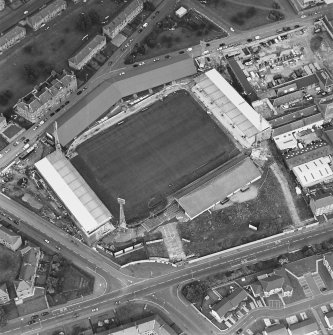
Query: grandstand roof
[217, 185]
[247, 119]
[73, 191]
[107, 94]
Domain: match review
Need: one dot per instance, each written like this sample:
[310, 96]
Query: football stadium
[153, 154]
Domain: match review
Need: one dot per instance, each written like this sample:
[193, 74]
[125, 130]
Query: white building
[9, 239]
[123, 19]
[2, 5]
[88, 212]
[181, 12]
[11, 37]
[314, 172]
[81, 58]
[329, 319]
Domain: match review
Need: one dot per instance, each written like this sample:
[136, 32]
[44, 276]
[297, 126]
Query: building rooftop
[304, 327]
[216, 185]
[11, 34]
[329, 257]
[303, 266]
[278, 329]
[329, 317]
[301, 82]
[108, 93]
[73, 191]
[307, 154]
[230, 302]
[8, 235]
[29, 264]
[325, 78]
[271, 282]
[40, 15]
[287, 98]
[132, 6]
[86, 50]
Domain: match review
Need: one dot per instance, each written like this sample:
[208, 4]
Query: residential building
[9, 239]
[3, 122]
[25, 286]
[2, 5]
[306, 327]
[81, 58]
[321, 203]
[50, 93]
[325, 80]
[325, 106]
[228, 303]
[11, 37]
[46, 14]
[123, 19]
[328, 262]
[329, 319]
[277, 329]
[305, 266]
[276, 283]
[4, 297]
[180, 12]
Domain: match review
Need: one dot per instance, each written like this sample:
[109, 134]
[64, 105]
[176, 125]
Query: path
[172, 241]
[287, 194]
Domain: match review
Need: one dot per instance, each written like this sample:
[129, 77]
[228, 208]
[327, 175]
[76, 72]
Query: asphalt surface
[162, 290]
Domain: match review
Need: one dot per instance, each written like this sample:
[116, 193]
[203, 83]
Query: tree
[315, 42]
[147, 5]
[195, 291]
[3, 317]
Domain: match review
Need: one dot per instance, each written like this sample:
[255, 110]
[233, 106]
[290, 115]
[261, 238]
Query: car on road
[121, 73]
[142, 63]
[232, 29]
[181, 51]
[135, 65]
[58, 248]
[26, 12]
[323, 289]
[31, 322]
[52, 114]
[26, 140]
[34, 128]
[7, 150]
[94, 309]
[140, 30]
[47, 241]
[303, 16]
[33, 317]
[57, 110]
[76, 315]
[167, 56]
[79, 92]
[145, 25]
[156, 59]
[45, 313]
[239, 331]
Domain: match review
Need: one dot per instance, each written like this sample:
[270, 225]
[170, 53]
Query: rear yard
[10, 263]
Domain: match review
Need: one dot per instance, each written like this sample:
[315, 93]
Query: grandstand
[229, 107]
[217, 185]
[87, 211]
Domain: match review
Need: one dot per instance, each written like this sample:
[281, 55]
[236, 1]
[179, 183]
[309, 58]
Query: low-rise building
[50, 93]
[277, 329]
[329, 319]
[123, 19]
[4, 297]
[328, 262]
[276, 283]
[25, 285]
[81, 58]
[11, 37]
[325, 80]
[229, 303]
[306, 327]
[46, 14]
[3, 122]
[9, 239]
[321, 203]
[180, 12]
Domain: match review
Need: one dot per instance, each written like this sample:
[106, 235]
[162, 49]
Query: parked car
[31, 322]
[33, 317]
[45, 313]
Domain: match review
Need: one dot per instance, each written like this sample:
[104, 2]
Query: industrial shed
[88, 212]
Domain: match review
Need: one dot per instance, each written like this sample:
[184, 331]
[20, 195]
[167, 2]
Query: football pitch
[152, 154]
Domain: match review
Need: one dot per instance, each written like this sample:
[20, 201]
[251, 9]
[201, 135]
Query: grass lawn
[32, 305]
[137, 255]
[236, 14]
[52, 47]
[153, 154]
[10, 263]
[212, 232]
[157, 250]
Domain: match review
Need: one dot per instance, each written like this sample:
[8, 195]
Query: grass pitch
[153, 154]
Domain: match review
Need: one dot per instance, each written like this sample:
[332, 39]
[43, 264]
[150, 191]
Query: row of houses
[51, 93]
[25, 284]
[12, 37]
